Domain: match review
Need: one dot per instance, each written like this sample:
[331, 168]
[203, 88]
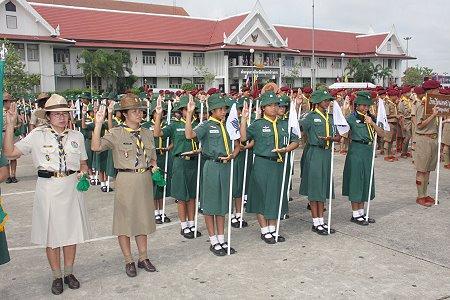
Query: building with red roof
[168, 47]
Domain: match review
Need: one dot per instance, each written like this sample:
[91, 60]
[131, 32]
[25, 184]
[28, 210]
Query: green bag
[83, 184]
[158, 178]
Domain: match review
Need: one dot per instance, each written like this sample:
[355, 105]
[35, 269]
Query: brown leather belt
[140, 170]
[50, 174]
[431, 136]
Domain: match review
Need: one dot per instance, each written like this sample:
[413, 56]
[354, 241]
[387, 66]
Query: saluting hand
[11, 115]
[111, 107]
[100, 115]
[191, 104]
[244, 112]
[158, 108]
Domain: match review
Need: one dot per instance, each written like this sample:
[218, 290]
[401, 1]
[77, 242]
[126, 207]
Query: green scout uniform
[267, 172]
[358, 163]
[4, 254]
[315, 180]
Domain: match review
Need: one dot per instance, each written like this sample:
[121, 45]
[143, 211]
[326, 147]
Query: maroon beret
[161, 92]
[431, 84]
[285, 89]
[381, 92]
[373, 94]
[212, 91]
[307, 90]
[419, 90]
[392, 92]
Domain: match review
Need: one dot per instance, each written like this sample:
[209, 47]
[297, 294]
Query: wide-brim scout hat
[143, 95]
[104, 95]
[112, 96]
[241, 101]
[42, 97]
[7, 97]
[268, 98]
[131, 101]
[153, 106]
[216, 101]
[182, 103]
[284, 101]
[57, 103]
[363, 98]
[86, 96]
[320, 96]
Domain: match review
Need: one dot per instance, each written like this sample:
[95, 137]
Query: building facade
[170, 49]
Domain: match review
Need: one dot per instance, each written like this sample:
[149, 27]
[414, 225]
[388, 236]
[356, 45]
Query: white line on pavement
[18, 193]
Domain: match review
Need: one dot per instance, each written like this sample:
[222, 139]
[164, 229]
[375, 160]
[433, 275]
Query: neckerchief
[224, 134]
[327, 124]
[118, 121]
[369, 128]
[160, 140]
[275, 133]
[140, 150]
[193, 143]
[61, 152]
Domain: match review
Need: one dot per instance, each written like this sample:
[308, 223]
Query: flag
[381, 116]
[339, 120]
[293, 121]
[247, 81]
[232, 124]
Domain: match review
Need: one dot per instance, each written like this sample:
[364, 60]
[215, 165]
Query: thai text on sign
[441, 102]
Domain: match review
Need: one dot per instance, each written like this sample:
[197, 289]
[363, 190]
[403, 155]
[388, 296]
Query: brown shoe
[72, 282]
[130, 269]
[423, 201]
[430, 200]
[57, 286]
[447, 166]
[146, 265]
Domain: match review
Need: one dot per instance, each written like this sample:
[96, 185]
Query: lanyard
[139, 143]
[160, 140]
[275, 133]
[369, 128]
[193, 143]
[327, 124]
[224, 134]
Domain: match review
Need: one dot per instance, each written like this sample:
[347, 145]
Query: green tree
[208, 77]
[415, 75]
[17, 82]
[366, 71]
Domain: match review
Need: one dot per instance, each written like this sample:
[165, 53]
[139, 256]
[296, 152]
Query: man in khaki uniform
[392, 116]
[404, 110]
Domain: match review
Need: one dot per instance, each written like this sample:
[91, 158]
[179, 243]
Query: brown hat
[131, 101]
[7, 97]
[57, 103]
[42, 96]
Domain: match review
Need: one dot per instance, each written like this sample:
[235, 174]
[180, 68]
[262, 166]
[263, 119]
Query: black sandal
[166, 219]
[269, 240]
[320, 230]
[284, 217]
[217, 252]
[370, 220]
[189, 235]
[325, 225]
[232, 251]
[281, 239]
[359, 220]
[237, 223]
[192, 229]
[158, 219]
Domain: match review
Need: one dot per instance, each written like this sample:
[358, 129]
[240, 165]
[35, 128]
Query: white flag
[339, 120]
[293, 121]
[232, 124]
[381, 116]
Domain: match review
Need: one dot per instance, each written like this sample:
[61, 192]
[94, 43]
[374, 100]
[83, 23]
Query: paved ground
[405, 255]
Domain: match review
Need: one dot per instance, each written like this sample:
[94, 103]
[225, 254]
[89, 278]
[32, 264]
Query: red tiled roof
[119, 5]
[34, 38]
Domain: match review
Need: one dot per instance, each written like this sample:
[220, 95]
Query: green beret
[198, 106]
[320, 96]
[216, 101]
[268, 98]
[284, 101]
[154, 97]
[363, 97]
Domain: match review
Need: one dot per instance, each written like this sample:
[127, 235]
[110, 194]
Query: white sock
[102, 184]
[91, 176]
[356, 214]
[232, 216]
[321, 221]
[221, 238]
[184, 225]
[213, 240]
[264, 230]
[316, 222]
[361, 211]
[191, 223]
[271, 228]
[156, 212]
[238, 215]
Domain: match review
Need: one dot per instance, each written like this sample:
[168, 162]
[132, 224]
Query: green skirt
[215, 188]
[89, 152]
[238, 174]
[315, 181]
[184, 179]
[4, 254]
[100, 162]
[265, 187]
[158, 191]
[110, 170]
[357, 168]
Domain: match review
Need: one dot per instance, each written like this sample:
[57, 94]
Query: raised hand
[100, 115]
[158, 108]
[11, 115]
[191, 104]
[111, 107]
[245, 112]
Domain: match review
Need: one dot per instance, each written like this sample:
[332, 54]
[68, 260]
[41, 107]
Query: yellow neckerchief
[327, 123]
[118, 121]
[160, 140]
[407, 102]
[395, 105]
[275, 133]
[92, 119]
[369, 128]
[193, 143]
[139, 143]
[224, 134]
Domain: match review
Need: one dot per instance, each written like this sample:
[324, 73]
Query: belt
[140, 170]
[362, 142]
[322, 147]
[186, 157]
[275, 159]
[431, 136]
[50, 174]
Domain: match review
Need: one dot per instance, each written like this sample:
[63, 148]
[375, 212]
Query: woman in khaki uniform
[134, 157]
[59, 212]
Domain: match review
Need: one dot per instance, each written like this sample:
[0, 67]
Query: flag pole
[330, 199]
[436, 200]
[282, 192]
[371, 175]
[197, 188]
[230, 202]
[292, 159]
[166, 161]
[245, 174]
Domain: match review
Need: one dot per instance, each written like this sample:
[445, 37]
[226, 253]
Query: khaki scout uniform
[59, 212]
[133, 203]
[426, 144]
[391, 113]
[404, 109]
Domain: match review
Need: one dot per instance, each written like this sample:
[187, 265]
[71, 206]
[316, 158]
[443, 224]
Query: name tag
[214, 131]
[358, 121]
[48, 146]
[266, 130]
[317, 121]
[127, 144]
[180, 129]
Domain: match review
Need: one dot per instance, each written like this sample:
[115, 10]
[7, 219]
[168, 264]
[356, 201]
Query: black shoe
[268, 240]
[146, 265]
[104, 189]
[370, 220]
[325, 225]
[14, 180]
[291, 199]
[72, 282]
[9, 180]
[236, 223]
[92, 181]
[166, 219]
[217, 252]
[97, 182]
[158, 219]
[320, 230]
[187, 233]
[225, 247]
[285, 217]
[57, 286]
[193, 231]
[281, 239]
[130, 269]
[359, 220]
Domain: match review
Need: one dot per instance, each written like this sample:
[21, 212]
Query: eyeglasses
[60, 115]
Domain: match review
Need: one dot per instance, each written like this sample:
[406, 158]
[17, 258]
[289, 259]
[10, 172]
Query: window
[390, 63]
[306, 62]
[151, 81]
[365, 61]
[148, 57]
[10, 6]
[289, 82]
[199, 82]
[289, 61]
[199, 59]
[11, 22]
[389, 45]
[337, 63]
[96, 82]
[61, 56]
[174, 58]
[322, 63]
[396, 64]
[175, 82]
[20, 48]
[33, 52]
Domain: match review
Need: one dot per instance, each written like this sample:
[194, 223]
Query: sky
[425, 21]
